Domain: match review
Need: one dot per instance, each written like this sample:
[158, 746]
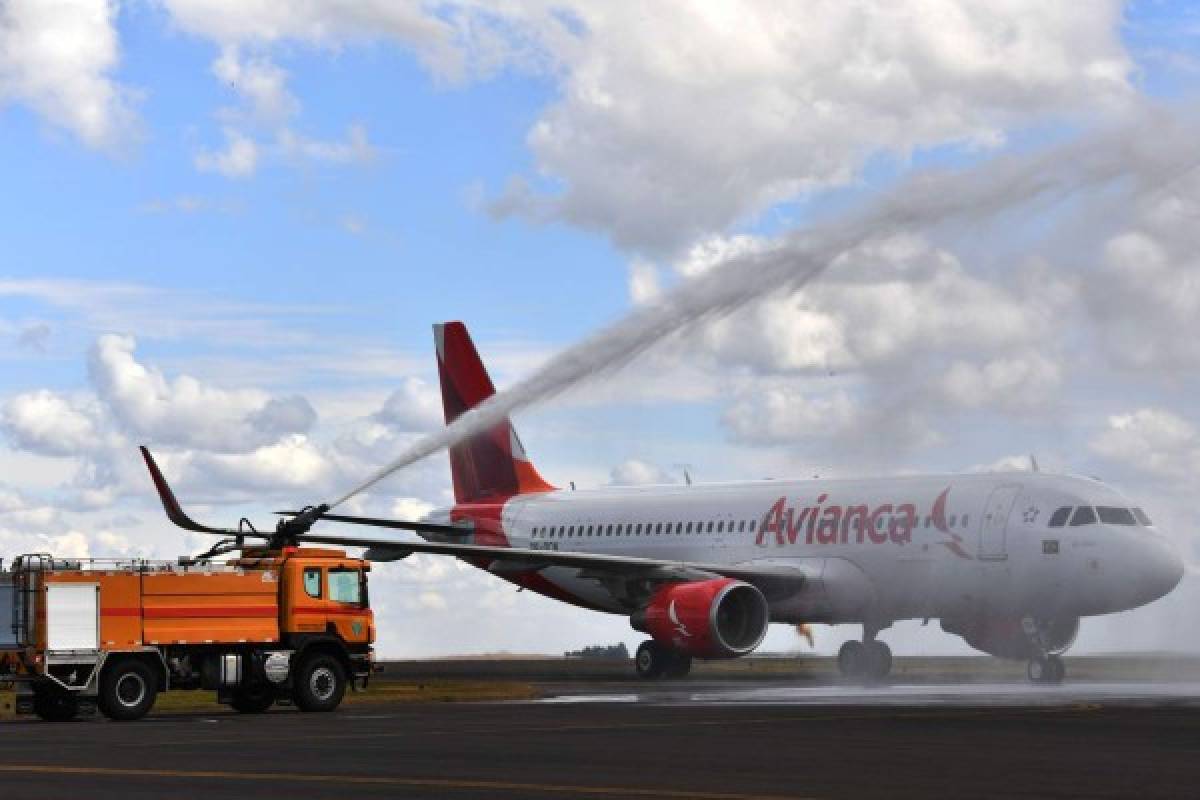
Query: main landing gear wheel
[1047, 670]
[651, 659]
[679, 666]
[654, 660]
[870, 661]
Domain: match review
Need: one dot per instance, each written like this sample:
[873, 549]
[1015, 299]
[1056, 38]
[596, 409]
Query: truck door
[993, 530]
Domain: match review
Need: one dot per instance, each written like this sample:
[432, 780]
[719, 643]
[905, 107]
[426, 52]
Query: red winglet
[174, 511]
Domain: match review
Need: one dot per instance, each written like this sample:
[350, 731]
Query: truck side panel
[220, 608]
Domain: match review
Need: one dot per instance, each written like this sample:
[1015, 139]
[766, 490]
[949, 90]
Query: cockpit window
[1059, 517]
[1084, 515]
[1141, 517]
[1115, 516]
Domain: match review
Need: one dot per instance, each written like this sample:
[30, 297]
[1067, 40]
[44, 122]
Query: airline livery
[1008, 561]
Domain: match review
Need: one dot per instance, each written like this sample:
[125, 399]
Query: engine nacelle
[1004, 637]
[720, 618]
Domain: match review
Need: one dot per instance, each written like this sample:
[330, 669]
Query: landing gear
[654, 660]
[1044, 667]
[1047, 670]
[870, 660]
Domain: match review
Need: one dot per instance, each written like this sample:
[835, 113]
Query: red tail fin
[492, 463]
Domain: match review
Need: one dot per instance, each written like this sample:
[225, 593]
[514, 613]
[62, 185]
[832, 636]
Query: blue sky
[522, 170]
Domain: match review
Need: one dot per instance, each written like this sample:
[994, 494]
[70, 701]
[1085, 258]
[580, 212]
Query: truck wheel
[53, 704]
[253, 699]
[320, 683]
[128, 690]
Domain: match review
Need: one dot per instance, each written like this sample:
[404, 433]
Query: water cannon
[289, 530]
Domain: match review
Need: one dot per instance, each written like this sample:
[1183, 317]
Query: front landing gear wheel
[651, 659]
[1048, 671]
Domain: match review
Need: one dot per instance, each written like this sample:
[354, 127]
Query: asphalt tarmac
[689, 739]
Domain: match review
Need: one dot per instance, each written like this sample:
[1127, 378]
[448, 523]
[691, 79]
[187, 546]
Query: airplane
[1009, 561]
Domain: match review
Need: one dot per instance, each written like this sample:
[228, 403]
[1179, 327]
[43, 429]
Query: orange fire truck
[287, 624]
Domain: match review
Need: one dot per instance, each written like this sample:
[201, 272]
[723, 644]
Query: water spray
[1150, 152]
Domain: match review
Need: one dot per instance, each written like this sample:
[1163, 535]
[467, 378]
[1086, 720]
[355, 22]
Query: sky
[228, 226]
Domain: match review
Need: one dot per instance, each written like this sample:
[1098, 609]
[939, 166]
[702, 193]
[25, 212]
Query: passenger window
[678, 528]
[721, 526]
[312, 581]
[953, 520]
[638, 530]
[689, 527]
[1084, 515]
[1141, 517]
[1115, 516]
[742, 526]
[965, 519]
[345, 586]
[709, 529]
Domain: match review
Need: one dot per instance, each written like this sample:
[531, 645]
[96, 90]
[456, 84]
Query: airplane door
[993, 531]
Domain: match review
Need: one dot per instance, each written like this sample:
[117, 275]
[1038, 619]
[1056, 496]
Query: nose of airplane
[1161, 568]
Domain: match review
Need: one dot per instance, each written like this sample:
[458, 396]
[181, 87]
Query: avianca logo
[834, 524]
[680, 628]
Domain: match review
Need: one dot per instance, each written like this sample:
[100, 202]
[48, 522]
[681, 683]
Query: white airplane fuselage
[949, 546]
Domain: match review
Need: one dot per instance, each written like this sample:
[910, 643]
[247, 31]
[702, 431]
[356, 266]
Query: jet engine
[1006, 637]
[718, 618]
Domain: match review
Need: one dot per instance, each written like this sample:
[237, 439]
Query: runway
[726, 740]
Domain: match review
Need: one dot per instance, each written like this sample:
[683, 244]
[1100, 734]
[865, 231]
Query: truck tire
[253, 699]
[128, 690]
[53, 704]
[319, 683]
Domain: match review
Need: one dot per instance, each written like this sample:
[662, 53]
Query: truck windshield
[345, 586]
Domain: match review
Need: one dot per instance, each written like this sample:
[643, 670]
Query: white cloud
[635, 472]
[1144, 300]
[1028, 381]
[415, 406]
[262, 83]
[35, 337]
[776, 415]
[678, 119]
[354, 149]
[49, 424]
[58, 56]
[239, 159]
[292, 463]
[1156, 441]
[410, 508]
[185, 411]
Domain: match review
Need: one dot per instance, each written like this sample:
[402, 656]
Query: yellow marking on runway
[383, 780]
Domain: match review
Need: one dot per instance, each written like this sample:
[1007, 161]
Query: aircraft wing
[774, 580]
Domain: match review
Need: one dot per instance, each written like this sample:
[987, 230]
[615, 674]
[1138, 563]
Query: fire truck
[272, 625]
